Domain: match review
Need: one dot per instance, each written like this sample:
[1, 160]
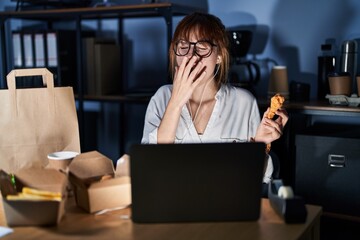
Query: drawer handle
[337, 161]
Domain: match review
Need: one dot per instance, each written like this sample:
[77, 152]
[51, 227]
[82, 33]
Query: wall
[296, 29]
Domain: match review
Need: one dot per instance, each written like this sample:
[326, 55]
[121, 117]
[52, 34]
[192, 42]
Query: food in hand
[35, 194]
[276, 102]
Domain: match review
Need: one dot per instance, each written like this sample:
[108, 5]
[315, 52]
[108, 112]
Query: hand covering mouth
[199, 72]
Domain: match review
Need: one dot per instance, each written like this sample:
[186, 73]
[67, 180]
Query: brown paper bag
[35, 121]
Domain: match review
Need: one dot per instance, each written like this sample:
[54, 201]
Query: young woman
[199, 106]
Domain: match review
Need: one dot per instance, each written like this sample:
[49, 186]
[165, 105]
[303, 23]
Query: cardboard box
[97, 186]
[33, 212]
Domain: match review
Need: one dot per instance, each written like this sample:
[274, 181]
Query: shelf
[123, 11]
[316, 108]
[135, 98]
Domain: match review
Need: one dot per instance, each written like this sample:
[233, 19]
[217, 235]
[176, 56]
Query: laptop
[196, 182]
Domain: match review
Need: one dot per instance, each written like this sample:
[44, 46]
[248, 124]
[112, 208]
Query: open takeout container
[33, 212]
[97, 186]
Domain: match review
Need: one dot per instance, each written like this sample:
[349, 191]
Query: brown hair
[207, 27]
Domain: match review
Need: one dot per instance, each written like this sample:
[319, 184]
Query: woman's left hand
[270, 130]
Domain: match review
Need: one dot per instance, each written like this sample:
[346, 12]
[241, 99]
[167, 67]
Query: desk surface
[78, 224]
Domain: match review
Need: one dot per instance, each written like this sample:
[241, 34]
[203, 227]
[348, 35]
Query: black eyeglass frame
[194, 48]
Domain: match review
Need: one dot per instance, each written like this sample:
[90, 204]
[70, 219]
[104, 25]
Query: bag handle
[47, 76]
[48, 81]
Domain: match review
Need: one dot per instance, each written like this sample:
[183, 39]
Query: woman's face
[209, 61]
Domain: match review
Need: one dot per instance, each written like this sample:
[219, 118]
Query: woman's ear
[218, 60]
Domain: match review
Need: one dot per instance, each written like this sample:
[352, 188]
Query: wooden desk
[78, 224]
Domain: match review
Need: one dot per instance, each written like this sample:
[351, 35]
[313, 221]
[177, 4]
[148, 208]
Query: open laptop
[196, 182]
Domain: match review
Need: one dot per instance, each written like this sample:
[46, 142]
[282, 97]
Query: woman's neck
[204, 92]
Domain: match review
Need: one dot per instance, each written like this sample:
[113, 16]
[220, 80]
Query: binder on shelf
[28, 50]
[17, 50]
[52, 50]
[39, 50]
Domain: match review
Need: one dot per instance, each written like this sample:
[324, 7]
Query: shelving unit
[77, 15]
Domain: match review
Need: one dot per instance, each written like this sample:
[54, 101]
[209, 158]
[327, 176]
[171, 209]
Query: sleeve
[151, 124]
[153, 116]
[254, 119]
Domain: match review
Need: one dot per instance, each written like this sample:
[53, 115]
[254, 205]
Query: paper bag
[35, 121]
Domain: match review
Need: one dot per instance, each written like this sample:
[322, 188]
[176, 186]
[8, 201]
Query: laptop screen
[196, 182]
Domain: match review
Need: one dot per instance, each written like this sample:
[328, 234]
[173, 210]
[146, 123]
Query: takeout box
[33, 212]
[97, 186]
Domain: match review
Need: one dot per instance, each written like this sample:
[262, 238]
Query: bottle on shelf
[349, 60]
[326, 65]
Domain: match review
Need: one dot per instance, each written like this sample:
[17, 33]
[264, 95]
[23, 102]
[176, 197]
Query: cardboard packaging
[33, 212]
[97, 186]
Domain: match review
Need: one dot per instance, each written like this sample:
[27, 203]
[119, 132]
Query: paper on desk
[5, 231]
[110, 209]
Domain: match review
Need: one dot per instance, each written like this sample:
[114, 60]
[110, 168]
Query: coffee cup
[278, 82]
[61, 160]
[340, 83]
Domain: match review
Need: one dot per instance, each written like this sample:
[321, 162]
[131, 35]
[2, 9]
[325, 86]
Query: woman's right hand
[186, 79]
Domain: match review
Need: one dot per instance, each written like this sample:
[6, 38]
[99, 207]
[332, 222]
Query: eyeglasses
[201, 48]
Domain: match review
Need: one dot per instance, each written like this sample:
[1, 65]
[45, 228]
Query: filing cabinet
[327, 171]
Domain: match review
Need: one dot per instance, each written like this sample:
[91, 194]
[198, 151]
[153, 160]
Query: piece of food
[276, 102]
[35, 194]
[32, 191]
[7, 183]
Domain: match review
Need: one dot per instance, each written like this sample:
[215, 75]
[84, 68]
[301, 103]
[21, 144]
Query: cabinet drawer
[327, 172]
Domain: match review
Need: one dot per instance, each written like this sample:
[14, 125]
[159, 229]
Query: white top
[235, 118]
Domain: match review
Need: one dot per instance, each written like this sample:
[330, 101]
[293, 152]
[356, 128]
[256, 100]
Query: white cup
[61, 160]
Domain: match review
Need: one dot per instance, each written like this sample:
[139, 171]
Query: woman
[199, 106]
